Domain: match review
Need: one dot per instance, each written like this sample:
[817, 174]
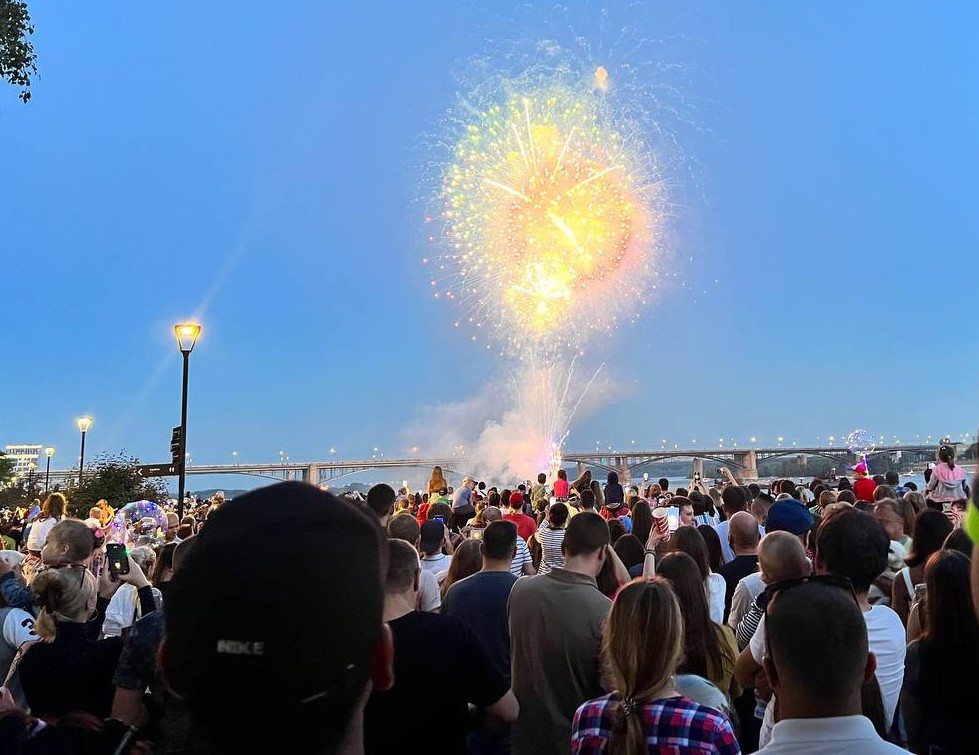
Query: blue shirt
[481, 602]
[462, 499]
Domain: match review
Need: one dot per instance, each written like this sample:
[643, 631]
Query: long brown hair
[700, 633]
[689, 540]
[466, 561]
[54, 506]
[641, 646]
[437, 481]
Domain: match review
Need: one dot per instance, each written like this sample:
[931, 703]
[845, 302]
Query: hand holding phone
[118, 560]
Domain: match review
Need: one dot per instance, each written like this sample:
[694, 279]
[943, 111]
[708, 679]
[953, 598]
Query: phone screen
[476, 533]
[673, 517]
[440, 519]
[117, 558]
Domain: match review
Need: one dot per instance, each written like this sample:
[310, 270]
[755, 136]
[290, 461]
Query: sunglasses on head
[831, 580]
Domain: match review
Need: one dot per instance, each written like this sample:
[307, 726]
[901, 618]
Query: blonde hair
[62, 595]
[641, 647]
[437, 481]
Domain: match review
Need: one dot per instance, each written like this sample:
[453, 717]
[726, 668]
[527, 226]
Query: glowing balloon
[129, 516]
[861, 442]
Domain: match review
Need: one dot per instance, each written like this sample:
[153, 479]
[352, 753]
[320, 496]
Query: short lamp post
[49, 452]
[84, 424]
[187, 334]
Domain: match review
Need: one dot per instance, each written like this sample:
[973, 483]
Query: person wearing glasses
[817, 661]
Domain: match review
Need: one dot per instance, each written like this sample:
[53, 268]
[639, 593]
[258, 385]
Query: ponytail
[62, 594]
[947, 454]
[627, 730]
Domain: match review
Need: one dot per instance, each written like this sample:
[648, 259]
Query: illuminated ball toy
[130, 518]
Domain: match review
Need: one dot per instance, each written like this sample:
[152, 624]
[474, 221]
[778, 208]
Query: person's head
[66, 593]
[185, 531]
[95, 512]
[587, 499]
[163, 569]
[54, 505]
[790, 516]
[743, 533]
[686, 513]
[70, 542]
[844, 484]
[616, 529]
[641, 648]
[851, 543]
[499, 542]
[404, 527]
[466, 561]
[959, 540]
[760, 507]
[884, 491]
[557, 514]
[380, 500]
[947, 454]
[403, 569]
[930, 530]
[892, 478]
[562, 474]
[781, 556]
[541, 478]
[917, 501]
[846, 496]
[715, 555]
[231, 620]
[437, 480]
[585, 541]
[516, 501]
[688, 540]
[886, 513]
[432, 537]
[630, 550]
[755, 489]
[664, 484]
[818, 657]
[145, 557]
[948, 604]
[826, 498]
[438, 509]
[642, 520]
[734, 500]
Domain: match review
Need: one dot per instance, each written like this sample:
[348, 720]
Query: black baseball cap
[273, 618]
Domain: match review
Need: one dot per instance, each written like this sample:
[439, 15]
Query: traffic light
[176, 452]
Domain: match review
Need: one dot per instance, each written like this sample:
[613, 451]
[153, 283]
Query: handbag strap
[907, 581]
[16, 661]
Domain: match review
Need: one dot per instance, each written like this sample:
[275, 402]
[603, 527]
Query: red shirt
[526, 525]
[422, 512]
[609, 514]
[863, 489]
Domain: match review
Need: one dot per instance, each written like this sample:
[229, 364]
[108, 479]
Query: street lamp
[84, 423]
[49, 452]
[30, 474]
[234, 458]
[187, 334]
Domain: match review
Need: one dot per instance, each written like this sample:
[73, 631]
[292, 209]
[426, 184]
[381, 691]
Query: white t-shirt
[429, 595]
[18, 628]
[885, 637]
[39, 533]
[747, 590]
[523, 557]
[828, 736]
[716, 587]
[437, 565]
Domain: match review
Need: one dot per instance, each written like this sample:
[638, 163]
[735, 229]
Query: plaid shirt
[673, 725]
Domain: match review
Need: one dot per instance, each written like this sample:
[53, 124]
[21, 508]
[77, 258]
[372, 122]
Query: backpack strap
[907, 581]
[16, 661]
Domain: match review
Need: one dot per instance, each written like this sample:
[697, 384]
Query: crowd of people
[548, 617]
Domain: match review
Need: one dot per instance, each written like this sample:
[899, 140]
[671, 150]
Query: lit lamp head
[187, 334]
[49, 451]
[84, 423]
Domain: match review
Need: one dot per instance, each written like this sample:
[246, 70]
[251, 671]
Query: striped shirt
[550, 539]
[523, 557]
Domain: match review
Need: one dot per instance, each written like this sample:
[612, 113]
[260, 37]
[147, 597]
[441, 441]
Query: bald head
[781, 556]
[743, 533]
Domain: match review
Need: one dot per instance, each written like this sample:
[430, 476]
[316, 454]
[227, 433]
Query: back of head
[826, 498]
[587, 498]
[947, 455]
[892, 478]
[884, 491]
[641, 647]
[404, 527]
[557, 514]
[853, 544]
[781, 556]
[664, 484]
[499, 540]
[845, 495]
[402, 567]
[230, 620]
[630, 550]
[817, 641]
[586, 533]
[443, 510]
[930, 530]
[688, 540]
[492, 514]
[144, 556]
[54, 505]
[743, 531]
[541, 478]
[734, 499]
[380, 499]
[62, 594]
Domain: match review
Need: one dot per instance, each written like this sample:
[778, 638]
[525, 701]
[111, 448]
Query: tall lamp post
[49, 452]
[187, 334]
[84, 423]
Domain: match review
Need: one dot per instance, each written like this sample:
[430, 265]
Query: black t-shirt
[480, 601]
[440, 666]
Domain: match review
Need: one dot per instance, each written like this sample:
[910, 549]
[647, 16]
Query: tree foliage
[114, 478]
[18, 62]
[6, 468]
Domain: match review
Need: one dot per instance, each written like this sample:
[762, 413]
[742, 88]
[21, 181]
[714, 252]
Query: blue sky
[260, 167]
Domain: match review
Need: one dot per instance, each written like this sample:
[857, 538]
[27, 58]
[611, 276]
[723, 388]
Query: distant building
[23, 455]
